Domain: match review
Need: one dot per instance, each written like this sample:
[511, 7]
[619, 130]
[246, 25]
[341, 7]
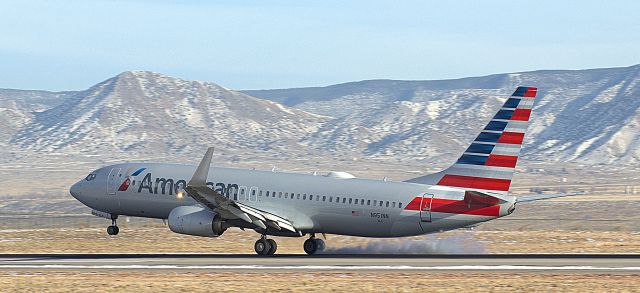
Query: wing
[534, 197]
[197, 188]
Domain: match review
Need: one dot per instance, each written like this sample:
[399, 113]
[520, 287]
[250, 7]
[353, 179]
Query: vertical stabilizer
[489, 162]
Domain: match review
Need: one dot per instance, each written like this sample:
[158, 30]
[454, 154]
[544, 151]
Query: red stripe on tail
[501, 161]
[511, 137]
[475, 182]
[531, 92]
[521, 114]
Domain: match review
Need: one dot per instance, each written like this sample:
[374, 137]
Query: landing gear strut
[265, 246]
[113, 229]
[313, 245]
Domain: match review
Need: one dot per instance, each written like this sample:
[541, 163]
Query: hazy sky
[70, 45]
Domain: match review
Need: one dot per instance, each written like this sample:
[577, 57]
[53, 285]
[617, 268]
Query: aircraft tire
[262, 246]
[273, 246]
[113, 230]
[310, 246]
[320, 244]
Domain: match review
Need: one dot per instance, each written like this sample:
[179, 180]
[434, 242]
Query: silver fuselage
[314, 203]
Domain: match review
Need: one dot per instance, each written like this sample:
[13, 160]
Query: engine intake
[194, 220]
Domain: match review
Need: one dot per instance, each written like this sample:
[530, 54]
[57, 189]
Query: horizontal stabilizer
[534, 197]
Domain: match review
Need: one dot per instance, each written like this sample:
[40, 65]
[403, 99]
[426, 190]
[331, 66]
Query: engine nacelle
[194, 220]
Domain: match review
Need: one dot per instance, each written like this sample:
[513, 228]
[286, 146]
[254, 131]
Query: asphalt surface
[541, 262]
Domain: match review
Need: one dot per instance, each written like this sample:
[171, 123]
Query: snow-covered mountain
[148, 113]
[588, 116]
[585, 116]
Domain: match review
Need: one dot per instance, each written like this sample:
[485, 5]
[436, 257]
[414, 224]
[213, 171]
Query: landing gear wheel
[273, 245]
[310, 246]
[113, 230]
[320, 244]
[262, 246]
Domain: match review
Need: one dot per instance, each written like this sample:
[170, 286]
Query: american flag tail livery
[489, 162]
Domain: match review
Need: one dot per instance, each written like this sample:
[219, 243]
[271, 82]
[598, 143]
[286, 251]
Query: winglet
[200, 176]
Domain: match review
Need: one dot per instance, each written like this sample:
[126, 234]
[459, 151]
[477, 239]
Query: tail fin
[489, 162]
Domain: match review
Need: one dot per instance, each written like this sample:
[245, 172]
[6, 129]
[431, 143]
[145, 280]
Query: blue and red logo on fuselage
[125, 185]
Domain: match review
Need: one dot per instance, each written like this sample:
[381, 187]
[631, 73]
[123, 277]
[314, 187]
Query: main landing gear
[265, 246]
[313, 245]
[113, 229]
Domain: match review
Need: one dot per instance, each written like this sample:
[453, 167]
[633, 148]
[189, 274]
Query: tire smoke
[430, 244]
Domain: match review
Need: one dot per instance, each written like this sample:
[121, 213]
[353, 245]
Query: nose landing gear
[113, 229]
[313, 245]
[264, 246]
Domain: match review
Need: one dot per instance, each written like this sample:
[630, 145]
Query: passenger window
[267, 193]
[380, 203]
[350, 200]
[399, 205]
[375, 202]
[344, 200]
[393, 204]
[337, 199]
[362, 201]
[387, 204]
[298, 195]
[304, 196]
[330, 198]
[310, 196]
[253, 192]
[260, 193]
[286, 194]
[368, 202]
[324, 198]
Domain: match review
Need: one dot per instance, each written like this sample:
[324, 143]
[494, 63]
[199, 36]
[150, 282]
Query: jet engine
[195, 220]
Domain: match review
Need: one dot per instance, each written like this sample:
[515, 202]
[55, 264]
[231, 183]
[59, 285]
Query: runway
[232, 262]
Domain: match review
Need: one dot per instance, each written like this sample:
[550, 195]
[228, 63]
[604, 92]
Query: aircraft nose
[75, 190]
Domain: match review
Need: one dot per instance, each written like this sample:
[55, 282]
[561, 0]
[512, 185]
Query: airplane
[474, 189]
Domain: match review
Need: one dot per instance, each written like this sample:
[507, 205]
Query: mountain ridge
[587, 116]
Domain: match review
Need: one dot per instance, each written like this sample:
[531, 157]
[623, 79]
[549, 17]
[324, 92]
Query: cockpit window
[90, 177]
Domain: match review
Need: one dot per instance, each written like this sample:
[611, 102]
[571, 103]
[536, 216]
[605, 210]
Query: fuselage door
[112, 181]
[425, 207]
